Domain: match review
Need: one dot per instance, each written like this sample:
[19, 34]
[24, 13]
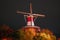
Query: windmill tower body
[30, 21]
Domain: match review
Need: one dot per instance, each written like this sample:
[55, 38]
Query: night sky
[50, 8]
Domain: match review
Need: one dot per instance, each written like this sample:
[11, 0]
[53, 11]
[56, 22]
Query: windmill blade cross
[25, 13]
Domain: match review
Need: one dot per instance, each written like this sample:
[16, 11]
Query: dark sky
[50, 8]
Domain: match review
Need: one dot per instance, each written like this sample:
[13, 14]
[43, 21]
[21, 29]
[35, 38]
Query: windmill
[30, 16]
[30, 20]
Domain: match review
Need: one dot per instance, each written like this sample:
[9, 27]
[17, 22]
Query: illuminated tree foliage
[45, 34]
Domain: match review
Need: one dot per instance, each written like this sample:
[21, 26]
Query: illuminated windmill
[30, 19]
[30, 16]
